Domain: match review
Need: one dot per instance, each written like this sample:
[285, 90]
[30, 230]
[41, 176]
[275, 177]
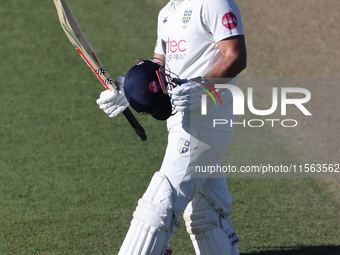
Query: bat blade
[78, 39]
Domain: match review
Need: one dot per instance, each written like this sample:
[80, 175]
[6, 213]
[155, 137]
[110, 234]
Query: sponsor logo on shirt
[174, 46]
[175, 49]
[229, 20]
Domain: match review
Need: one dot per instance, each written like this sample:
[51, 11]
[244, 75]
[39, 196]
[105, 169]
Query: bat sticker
[102, 71]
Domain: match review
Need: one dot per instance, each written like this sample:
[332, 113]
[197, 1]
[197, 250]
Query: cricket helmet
[145, 89]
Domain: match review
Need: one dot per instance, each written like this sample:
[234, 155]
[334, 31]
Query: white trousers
[177, 187]
[206, 148]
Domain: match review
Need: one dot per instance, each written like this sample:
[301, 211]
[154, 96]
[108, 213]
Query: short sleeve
[222, 18]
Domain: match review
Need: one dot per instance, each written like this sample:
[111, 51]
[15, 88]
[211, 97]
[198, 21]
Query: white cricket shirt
[188, 33]
[187, 36]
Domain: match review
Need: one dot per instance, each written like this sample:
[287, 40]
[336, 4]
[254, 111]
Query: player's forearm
[228, 67]
[158, 58]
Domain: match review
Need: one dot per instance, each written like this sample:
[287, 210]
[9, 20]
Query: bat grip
[135, 124]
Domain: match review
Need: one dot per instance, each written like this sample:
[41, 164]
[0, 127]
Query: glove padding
[187, 96]
[113, 101]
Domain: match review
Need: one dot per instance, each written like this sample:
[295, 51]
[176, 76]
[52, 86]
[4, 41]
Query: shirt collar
[176, 2]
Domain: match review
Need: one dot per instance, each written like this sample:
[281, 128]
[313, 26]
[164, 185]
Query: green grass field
[70, 177]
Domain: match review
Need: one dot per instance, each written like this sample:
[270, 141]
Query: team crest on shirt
[183, 146]
[187, 16]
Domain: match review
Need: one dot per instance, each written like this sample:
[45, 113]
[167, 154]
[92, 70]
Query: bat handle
[135, 124]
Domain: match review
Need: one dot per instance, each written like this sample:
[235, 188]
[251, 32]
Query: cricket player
[196, 38]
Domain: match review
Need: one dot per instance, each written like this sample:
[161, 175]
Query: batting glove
[187, 96]
[113, 101]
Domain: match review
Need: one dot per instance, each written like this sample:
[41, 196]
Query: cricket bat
[85, 50]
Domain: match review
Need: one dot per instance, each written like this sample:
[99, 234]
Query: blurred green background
[70, 177]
